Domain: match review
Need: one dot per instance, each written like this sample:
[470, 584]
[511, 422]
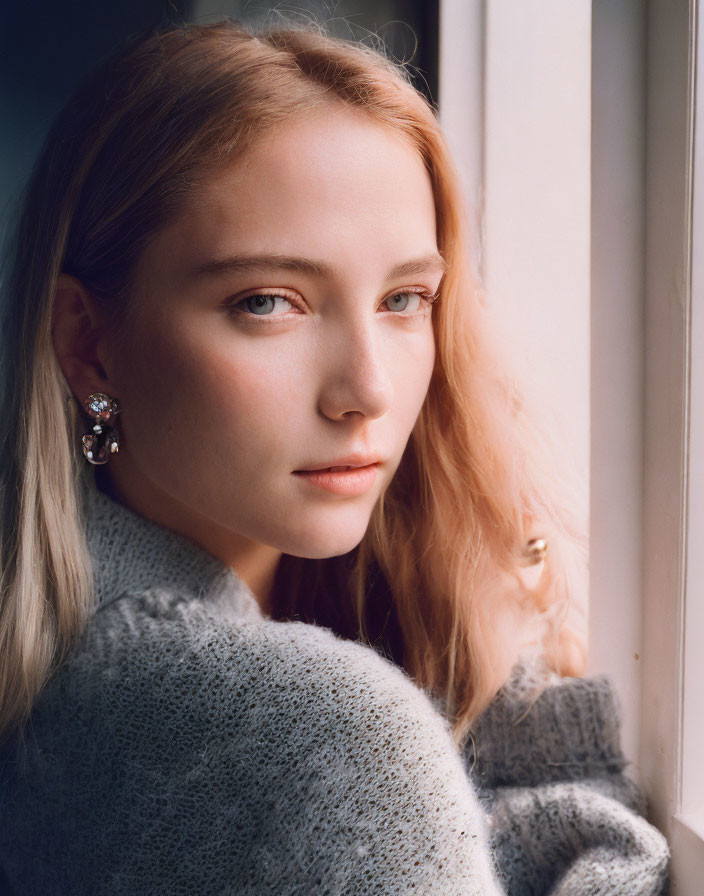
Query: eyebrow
[248, 263]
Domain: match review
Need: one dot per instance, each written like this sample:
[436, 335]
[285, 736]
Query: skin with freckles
[224, 395]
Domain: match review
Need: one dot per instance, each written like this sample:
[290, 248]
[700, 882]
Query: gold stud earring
[535, 550]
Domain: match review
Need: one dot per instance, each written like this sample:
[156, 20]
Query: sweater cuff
[571, 730]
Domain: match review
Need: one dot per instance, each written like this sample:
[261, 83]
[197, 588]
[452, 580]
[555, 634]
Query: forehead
[329, 183]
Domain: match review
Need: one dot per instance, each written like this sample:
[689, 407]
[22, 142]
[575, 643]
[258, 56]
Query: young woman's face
[237, 374]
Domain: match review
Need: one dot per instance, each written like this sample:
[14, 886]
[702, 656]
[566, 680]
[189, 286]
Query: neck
[254, 563]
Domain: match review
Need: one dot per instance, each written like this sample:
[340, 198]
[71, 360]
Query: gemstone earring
[103, 441]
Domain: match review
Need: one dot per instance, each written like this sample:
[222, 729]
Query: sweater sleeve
[565, 819]
[177, 753]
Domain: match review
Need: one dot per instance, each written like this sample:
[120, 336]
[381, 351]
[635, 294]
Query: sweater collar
[131, 553]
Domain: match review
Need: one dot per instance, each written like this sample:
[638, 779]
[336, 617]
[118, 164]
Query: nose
[358, 380]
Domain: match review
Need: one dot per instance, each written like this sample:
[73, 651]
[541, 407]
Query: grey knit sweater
[565, 819]
[191, 745]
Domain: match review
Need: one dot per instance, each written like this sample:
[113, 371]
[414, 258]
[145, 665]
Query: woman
[241, 259]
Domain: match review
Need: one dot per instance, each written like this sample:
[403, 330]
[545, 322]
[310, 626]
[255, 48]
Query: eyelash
[429, 298]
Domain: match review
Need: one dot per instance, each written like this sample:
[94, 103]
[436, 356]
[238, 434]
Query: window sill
[687, 845]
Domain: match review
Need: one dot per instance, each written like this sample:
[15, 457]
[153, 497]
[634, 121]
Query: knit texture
[565, 818]
[192, 746]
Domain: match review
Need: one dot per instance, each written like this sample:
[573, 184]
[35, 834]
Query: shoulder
[261, 752]
[158, 655]
[165, 631]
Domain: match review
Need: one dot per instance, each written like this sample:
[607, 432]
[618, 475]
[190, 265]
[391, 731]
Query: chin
[324, 547]
[324, 555]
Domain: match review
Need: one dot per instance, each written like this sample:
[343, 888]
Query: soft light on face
[223, 397]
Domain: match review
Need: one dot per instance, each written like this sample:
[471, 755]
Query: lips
[352, 482]
[341, 464]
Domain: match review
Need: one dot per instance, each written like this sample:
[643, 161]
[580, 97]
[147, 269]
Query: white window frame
[516, 89]
[673, 682]
[646, 379]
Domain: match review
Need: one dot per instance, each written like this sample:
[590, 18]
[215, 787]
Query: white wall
[537, 196]
[515, 105]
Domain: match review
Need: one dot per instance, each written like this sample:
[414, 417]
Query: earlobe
[76, 334]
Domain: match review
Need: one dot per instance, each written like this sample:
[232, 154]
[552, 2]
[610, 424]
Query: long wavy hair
[438, 582]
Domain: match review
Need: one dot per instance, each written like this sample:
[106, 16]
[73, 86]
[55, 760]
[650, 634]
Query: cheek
[418, 372]
[210, 400]
[205, 399]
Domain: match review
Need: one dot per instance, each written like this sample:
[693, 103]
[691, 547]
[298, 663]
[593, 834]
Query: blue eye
[260, 303]
[422, 296]
[401, 295]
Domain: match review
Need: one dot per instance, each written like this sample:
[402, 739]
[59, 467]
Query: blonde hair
[437, 580]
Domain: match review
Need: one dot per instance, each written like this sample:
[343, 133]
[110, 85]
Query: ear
[79, 340]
